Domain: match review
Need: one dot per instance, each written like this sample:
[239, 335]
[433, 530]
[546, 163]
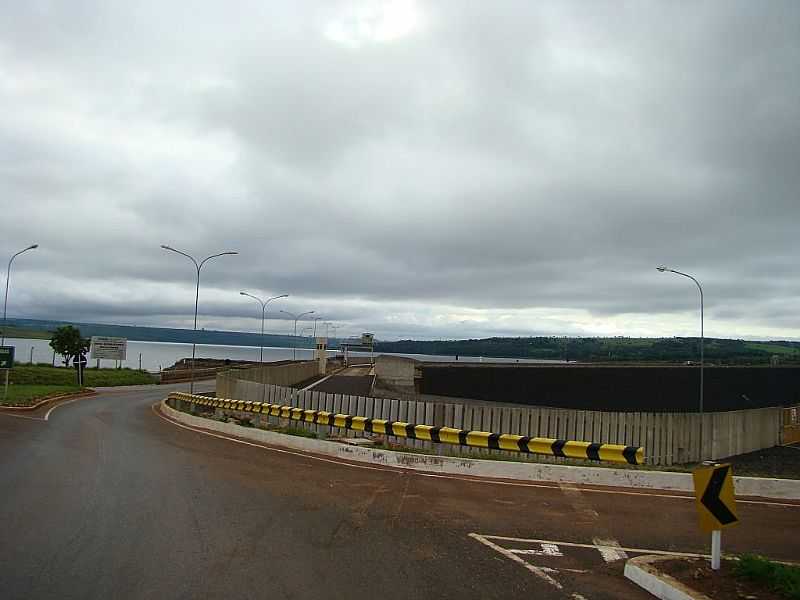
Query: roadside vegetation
[28, 395]
[44, 375]
[31, 383]
[248, 422]
[784, 579]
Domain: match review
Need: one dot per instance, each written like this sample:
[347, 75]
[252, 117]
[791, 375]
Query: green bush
[778, 577]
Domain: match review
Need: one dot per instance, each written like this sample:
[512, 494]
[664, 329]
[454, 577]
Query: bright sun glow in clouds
[373, 22]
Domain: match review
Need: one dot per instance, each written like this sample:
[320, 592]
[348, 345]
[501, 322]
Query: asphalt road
[107, 499]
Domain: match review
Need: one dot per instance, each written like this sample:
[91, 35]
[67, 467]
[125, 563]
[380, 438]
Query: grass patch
[48, 375]
[28, 395]
[294, 431]
[784, 579]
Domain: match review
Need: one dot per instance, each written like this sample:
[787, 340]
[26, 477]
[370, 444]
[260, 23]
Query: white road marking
[316, 383]
[454, 477]
[547, 550]
[538, 571]
[5, 414]
[46, 416]
[52, 408]
[610, 550]
[593, 546]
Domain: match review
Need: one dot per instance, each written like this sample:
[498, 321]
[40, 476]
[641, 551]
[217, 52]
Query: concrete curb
[643, 571]
[494, 469]
[50, 400]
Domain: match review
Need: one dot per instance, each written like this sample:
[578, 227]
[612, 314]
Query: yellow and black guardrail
[446, 435]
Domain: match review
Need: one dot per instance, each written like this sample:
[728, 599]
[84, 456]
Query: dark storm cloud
[440, 169]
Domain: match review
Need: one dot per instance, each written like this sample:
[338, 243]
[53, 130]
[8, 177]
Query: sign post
[716, 504]
[6, 364]
[109, 348]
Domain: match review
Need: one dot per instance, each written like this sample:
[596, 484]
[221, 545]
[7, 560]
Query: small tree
[67, 342]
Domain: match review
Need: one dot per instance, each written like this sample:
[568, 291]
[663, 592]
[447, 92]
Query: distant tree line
[596, 349]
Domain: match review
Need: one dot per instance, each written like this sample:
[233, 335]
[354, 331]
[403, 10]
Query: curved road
[107, 499]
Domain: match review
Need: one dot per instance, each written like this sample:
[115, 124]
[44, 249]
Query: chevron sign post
[716, 504]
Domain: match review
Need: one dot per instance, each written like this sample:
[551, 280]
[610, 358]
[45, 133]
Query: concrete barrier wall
[282, 374]
[181, 375]
[668, 438]
[396, 373]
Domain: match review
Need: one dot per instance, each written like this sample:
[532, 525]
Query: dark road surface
[107, 499]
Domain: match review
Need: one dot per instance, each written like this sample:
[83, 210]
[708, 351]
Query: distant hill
[617, 349]
[589, 349]
[40, 329]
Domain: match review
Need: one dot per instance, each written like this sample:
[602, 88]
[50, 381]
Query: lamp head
[661, 268]
[243, 293]
[32, 246]
[165, 247]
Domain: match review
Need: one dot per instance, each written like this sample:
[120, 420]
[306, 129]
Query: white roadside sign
[109, 348]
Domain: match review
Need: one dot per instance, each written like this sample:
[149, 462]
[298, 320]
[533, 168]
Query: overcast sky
[429, 169]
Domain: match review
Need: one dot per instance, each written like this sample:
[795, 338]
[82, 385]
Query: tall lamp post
[663, 269]
[263, 314]
[197, 266]
[296, 318]
[8, 278]
[315, 326]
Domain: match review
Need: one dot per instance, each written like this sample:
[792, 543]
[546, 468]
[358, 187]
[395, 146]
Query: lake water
[160, 355]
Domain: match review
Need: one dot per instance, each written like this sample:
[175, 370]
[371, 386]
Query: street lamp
[263, 313]
[315, 326]
[296, 318]
[663, 269]
[8, 278]
[197, 266]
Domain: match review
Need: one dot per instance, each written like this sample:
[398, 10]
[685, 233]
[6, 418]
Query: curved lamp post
[296, 318]
[197, 266]
[664, 269]
[8, 278]
[315, 326]
[263, 314]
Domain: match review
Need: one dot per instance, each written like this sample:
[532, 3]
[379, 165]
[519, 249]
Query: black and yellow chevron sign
[715, 500]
